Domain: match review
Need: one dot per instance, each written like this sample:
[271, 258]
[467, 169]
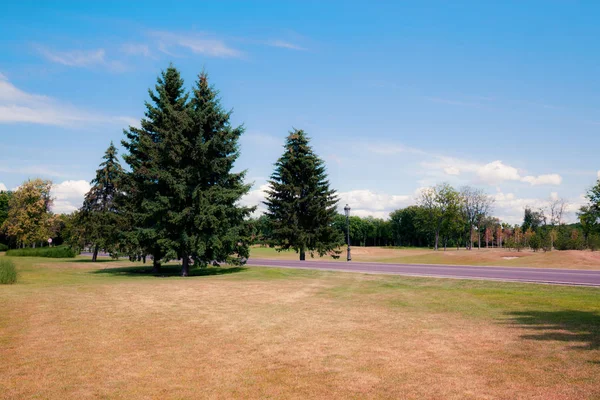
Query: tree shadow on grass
[168, 271]
[89, 260]
[582, 327]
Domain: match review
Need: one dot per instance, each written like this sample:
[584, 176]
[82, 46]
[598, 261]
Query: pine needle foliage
[301, 205]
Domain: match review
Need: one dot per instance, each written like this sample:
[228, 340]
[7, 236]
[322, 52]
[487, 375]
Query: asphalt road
[513, 274]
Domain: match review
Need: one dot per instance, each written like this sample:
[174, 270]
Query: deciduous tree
[29, 220]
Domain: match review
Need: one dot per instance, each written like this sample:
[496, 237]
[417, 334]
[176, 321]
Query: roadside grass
[8, 272]
[571, 259]
[73, 329]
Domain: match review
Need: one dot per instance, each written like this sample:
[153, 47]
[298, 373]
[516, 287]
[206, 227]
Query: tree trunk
[155, 266]
[95, 254]
[302, 254]
[185, 265]
[144, 259]
[478, 239]
[471, 237]
[437, 239]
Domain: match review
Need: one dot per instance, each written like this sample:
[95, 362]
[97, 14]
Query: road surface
[512, 274]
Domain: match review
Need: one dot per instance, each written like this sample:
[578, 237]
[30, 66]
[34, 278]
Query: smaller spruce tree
[301, 206]
[99, 217]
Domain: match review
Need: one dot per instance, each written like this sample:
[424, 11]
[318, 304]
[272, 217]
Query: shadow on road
[168, 271]
[581, 327]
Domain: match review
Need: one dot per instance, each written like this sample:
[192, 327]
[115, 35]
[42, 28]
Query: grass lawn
[484, 257]
[70, 329]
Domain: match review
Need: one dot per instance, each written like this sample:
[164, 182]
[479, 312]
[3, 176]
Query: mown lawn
[70, 329]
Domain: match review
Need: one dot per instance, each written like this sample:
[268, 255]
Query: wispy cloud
[18, 106]
[136, 49]
[285, 45]
[32, 170]
[81, 58]
[196, 43]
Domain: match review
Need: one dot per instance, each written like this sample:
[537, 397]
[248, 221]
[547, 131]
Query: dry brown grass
[280, 334]
[571, 259]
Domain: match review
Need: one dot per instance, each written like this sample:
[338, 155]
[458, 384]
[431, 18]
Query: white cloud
[284, 44]
[452, 170]
[136, 49]
[598, 174]
[18, 106]
[68, 195]
[3, 187]
[550, 179]
[196, 43]
[496, 172]
[510, 208]
[368, 203]
[491, 173]
[255, 198]
[363, 202]
[81, 58]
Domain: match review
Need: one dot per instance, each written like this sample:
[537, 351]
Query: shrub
[594, 242]
[8, 272]
[3, 247]
[535, 242]
[546, 242]
[51, 252]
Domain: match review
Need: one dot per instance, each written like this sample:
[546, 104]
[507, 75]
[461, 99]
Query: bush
[51, 252]
[3, 247]
[535, 242]
[8, 272]
[594, 242]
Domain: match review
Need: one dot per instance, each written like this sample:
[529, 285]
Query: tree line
[446, 217]
[178, 197]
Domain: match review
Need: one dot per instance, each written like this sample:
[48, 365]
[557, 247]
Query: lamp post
[347, 212]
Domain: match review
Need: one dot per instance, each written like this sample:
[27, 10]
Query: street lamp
[347, 212]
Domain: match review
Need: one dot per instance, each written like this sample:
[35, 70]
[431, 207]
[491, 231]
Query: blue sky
[395, 95]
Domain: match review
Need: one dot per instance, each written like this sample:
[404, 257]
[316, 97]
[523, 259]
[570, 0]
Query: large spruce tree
[146, 190]
[99, 216]
[301, 205]
[207, 224]
[184, 193]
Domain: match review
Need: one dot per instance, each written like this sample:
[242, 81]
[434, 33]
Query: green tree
[533, 219]
[145, 190]
[589, 215]
[29, 220]
[4, 202]
[99, 216]
[182, 198]
[301, 205]
[405, 227]
[441, 204]
[206, 223]
[475, 205]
